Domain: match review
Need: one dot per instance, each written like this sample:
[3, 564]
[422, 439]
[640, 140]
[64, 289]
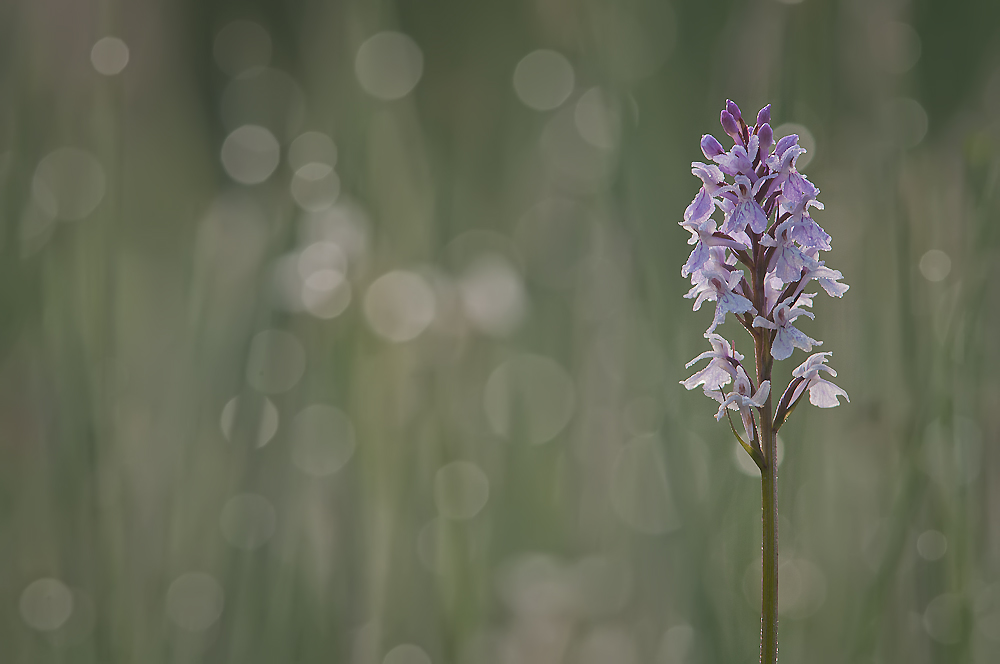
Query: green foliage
[463, 432]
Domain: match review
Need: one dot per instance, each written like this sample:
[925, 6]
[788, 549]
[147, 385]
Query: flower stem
[769, 518]
[769, 495]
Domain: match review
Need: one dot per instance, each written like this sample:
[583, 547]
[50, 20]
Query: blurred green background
[351, 332]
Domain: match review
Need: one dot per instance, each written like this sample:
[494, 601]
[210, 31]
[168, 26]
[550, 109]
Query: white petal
[800, 340]
[707, 353]
[729, 402]
[715, 394]
[761, 396]
[781, 348]
[796, 312]
[703, 296]
[823, 393]
[713, 377]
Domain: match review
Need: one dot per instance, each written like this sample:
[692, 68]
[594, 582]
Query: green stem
[769, 518]
[769, 495]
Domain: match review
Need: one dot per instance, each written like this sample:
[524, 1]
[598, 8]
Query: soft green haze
[438, 270]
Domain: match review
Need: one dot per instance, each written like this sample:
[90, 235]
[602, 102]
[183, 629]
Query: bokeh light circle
[109, 56]
[267, 423]
[944, 618]
[935, 265]
[492, 295]
[312, 147]
[677, 643]
[529, 395]
[276, 361]
[407, 653]
[932, 545]
[69, 184]
[598, 119]
[746, 465]
[389, 65]
[326, 293]
[322, 440]
[896, 46]
[315, 187]
[543, 80]
[399, 306]
[250, 154]
[461, 490]
[46, 604]
[195, 601]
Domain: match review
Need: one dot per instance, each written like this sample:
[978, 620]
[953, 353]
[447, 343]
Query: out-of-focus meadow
[350, 331]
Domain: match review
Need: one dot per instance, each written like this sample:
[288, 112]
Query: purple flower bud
[733, 109]
[764, 116]
[730, 126]
[766, 138]
[711, 147]
[785, 143]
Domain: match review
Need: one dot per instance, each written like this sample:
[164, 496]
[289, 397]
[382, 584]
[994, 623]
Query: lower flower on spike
[741, 399]
[822, 392]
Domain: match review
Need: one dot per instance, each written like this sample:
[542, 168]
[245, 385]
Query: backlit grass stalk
[767, 228]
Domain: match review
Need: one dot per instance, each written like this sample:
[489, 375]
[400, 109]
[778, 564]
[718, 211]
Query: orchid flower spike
[755, 207]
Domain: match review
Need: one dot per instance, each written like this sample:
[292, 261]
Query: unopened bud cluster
[768, 230]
